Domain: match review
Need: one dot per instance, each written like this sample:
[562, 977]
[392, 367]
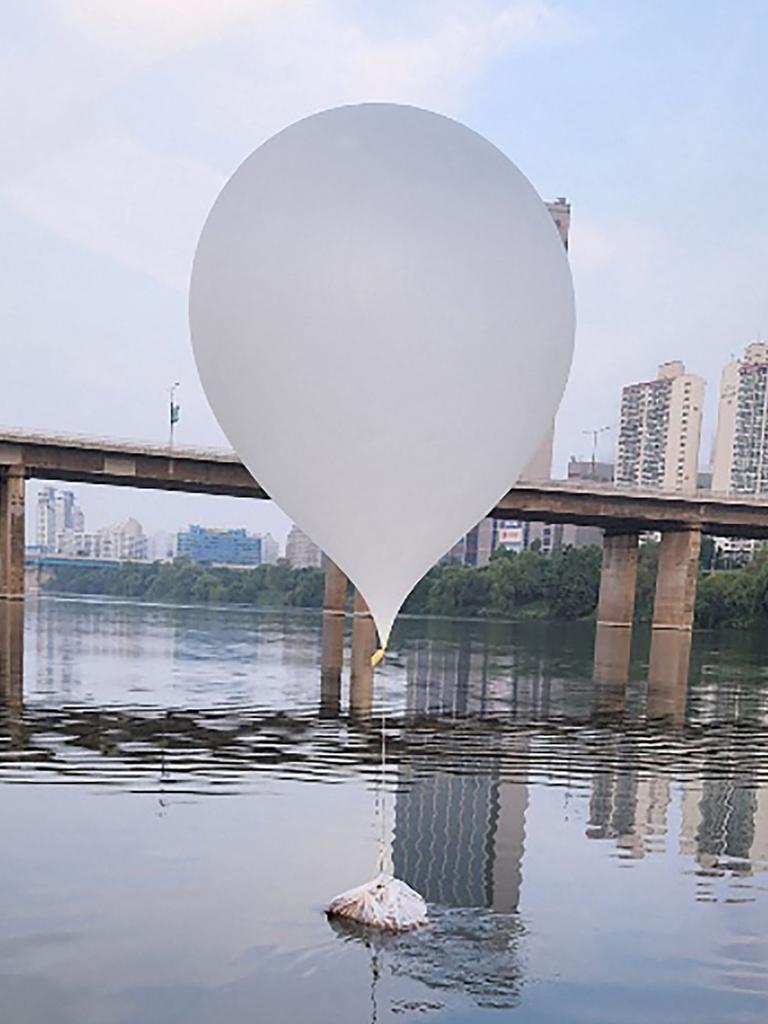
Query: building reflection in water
[724, 823]
[438, 679]
[723, 810]
[69, 632]
[459, 835]
[630, 810]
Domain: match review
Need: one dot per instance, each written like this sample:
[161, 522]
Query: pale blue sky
[122, 120]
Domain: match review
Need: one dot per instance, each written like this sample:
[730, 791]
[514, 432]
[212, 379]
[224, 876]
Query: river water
[178, 803]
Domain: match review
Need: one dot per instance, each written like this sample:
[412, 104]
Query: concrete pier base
[615, 608]
[332, 657]
[12, 534]
[363, 646]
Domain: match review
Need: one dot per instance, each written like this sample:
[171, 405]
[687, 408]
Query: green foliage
[186, 582]
[459, 590]
[516, 580]
[574, 582]
[647, 563]
[734, 597]
[512, 585]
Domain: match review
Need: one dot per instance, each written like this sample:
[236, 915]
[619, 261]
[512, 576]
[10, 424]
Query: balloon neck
[378, 655]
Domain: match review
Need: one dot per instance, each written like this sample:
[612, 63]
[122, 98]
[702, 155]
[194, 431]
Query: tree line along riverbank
[513, 585]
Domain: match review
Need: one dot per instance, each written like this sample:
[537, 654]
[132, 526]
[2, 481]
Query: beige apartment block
[301, 552]
[660, 431]
[740, 458]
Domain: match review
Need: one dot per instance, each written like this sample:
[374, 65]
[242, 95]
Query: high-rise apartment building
[64, 510]
[740, 462]
[46, 519]
[58, 514]
[660, 430]
[301, 552]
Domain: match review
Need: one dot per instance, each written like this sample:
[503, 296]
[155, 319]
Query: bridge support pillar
[363, 646]
[676, 580]
[673, 608]
[12, 534]
[615, 608]
[334, 612]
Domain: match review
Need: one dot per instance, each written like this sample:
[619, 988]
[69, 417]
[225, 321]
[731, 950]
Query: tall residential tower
[740, 463]
[660, 430]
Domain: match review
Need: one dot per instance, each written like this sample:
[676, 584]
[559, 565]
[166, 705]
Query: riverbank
[525, 585]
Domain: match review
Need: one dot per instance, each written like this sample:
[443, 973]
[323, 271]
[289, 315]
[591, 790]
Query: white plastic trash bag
[385, 902]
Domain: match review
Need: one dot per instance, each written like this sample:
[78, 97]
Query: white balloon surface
[382, 316]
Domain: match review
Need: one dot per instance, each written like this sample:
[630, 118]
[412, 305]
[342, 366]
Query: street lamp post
[595, 434]
[173, 411]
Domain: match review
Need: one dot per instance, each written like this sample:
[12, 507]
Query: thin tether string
[382, 860]
[375, 973]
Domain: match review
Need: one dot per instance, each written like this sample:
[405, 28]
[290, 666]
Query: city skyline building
[219, 547]
[162, 546]
[270, 549]
[740, 457]
[60, 529]
[476, 546]
[586, 469]
[45, 534]
[301, 552]
[124, 542]
[660, 431]
[58, 514]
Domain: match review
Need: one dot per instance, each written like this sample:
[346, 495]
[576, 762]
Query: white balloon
[382, 316]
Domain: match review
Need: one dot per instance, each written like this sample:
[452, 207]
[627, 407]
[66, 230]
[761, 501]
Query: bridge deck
[212, 471]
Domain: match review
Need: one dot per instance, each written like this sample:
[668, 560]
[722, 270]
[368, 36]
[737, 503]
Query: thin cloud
[154, 29]
[124, 201]
[118, 196]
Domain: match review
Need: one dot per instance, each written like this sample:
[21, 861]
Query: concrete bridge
[622, 514]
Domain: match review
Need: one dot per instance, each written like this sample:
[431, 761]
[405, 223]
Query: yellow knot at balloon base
[378, 656]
